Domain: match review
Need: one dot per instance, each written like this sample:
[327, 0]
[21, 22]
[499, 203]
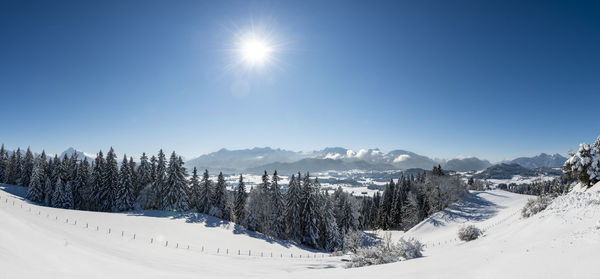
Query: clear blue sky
[494, 79]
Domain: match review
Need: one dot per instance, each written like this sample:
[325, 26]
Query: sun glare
[255, 51]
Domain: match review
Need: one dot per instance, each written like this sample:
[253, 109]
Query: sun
[255, 51]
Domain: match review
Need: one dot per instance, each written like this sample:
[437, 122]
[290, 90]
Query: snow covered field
[39, 242]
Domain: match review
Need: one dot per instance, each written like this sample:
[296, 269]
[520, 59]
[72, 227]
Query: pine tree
[134, 178]
[332, 237]
[111, 181]
[310, 214]
[396, 211]
[160, 179]
[175, 195]
[277, 217]
[239, 208]
[386, 205]
[219, 200]
[263, 212]
[254, 209]
[205, 193]
[3, 165]
[293, 209]
[35, 192]
[14, 168]
[28, 162]
[42, 163]
[144, 174]
[48, 191]
[194, 197]
[124, 198]
[346, 219]
[97, 182]
[57, 193]
[81, 185]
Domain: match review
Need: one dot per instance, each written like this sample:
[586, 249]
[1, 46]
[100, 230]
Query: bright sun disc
[255, 51]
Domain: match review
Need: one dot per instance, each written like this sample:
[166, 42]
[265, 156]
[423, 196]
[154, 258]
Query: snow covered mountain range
[258, 159]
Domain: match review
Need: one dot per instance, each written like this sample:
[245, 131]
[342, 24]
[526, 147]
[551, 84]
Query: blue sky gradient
[493, 79]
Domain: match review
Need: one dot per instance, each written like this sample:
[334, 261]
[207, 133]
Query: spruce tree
[310, 214]
[263, 213]
[97, 182]
[57, 193]
[293, 209]
[144, 174]
[332, 237]
[3, 165]
[81, 185]
[158, 186]
[27, 171]
[175, 195]
[48, 191]
[35, 192]
[239, 208]
[124, 198]
[396, 211]
[205, 193]
[277, 217]
[194, 197]
[220, 202]
[134, 177]
[14, 169]
[111, 181]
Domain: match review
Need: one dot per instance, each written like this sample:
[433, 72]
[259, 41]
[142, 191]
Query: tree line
[300, 211]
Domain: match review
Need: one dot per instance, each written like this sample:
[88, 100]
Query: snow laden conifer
[14, 168]
[254, 209]
[3, 165]
[48, 191]
[293, 209]
[585, 164]
[124, 197]
[111, 181]
[194, 193]
[133, 168]
[220, 201]
[144, 174]
[35, 192]
[204, 198]
[28, 163]
[277, 217]
[81, 185]
[160, 180]
[97, 182]
[330, 229]
[239, 204]
[175, 195]
[310, 214]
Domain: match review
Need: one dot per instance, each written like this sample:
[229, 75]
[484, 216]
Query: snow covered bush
[533, 206]
[468, 233]
[387, 252]
[584, 164]
[353, 241]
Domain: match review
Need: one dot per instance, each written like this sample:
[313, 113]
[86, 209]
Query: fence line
[134, 236]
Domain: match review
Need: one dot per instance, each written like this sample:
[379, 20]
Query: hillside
[560, 242]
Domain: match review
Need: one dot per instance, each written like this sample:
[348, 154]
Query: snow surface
[38, 242]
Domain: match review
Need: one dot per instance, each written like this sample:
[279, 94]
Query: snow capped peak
[80, 154]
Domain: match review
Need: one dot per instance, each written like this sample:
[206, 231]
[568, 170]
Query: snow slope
[43, 242]
[561, 242]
